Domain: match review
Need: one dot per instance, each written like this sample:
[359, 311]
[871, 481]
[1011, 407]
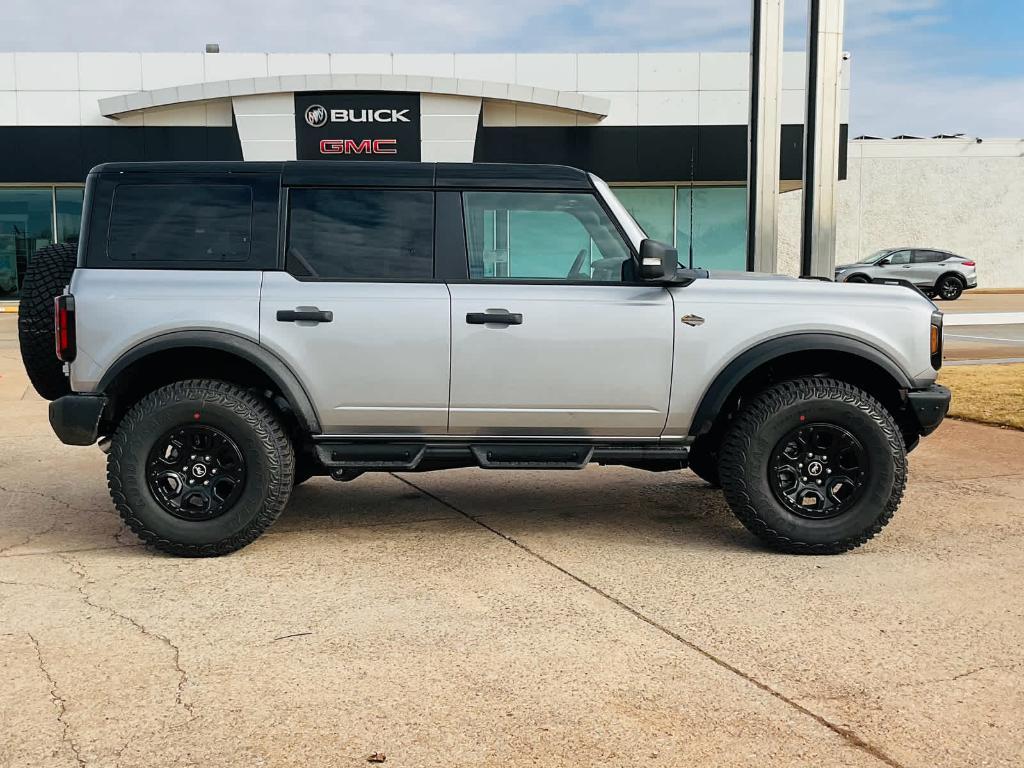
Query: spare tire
[47, 274]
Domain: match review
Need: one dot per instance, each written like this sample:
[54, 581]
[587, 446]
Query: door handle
[312, 315]
[499, 317]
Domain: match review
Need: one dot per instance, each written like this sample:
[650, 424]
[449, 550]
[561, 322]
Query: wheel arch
[859, 276]
[204, 354]
[797, 355]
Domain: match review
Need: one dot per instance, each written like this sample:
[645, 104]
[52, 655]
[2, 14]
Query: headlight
[840, 271]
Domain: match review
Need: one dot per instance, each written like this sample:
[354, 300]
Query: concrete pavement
[604, 617]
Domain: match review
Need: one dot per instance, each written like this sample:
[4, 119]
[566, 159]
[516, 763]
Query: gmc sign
[357, 126]
[353, 147]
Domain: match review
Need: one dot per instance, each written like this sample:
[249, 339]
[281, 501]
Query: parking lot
[603, 617]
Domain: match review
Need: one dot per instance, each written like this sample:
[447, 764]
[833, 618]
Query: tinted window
[360, 234]
[541, 236]
[180, 222]
[929, 257]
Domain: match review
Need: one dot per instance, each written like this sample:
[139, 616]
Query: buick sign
[357, 126]
[316, 115]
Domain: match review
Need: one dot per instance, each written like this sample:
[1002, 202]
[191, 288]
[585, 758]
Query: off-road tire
[758, 427]
[49, 270]
[703, 461]
[951, 285]
[246, 419]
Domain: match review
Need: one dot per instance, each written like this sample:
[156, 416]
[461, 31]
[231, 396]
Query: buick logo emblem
[316, 116]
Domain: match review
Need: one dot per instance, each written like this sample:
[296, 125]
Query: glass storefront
[707, 224]
[32, 218]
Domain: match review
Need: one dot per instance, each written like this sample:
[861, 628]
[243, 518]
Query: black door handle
[498, 318]
[310, 315]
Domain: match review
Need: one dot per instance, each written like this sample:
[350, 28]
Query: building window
[714, 221]
[707, 224]
[29, 216]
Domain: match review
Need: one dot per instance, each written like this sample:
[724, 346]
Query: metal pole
[821, 138]
[764, 134]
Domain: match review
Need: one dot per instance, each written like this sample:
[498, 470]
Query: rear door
[925, 269]
[358, 314]
[548, 336]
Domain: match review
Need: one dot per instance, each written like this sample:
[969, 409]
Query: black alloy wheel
[817, 471]
[950, 288]
[196, 472]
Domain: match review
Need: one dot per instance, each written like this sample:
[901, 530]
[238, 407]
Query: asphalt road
[608, 617]
[984, 342]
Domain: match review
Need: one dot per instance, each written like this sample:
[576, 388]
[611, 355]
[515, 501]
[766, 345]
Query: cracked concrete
[607, 617]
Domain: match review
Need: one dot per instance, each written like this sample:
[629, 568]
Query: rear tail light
[64, 328]
[969, 264]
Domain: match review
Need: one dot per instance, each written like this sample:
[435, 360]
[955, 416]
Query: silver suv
[228, 330]
[938, 273]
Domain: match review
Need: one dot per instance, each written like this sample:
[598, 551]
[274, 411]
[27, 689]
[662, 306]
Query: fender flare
[741, 366]
[278, 372]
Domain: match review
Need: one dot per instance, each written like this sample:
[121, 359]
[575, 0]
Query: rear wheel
[813, 466]
[48, 272]
[200, 468]
[949, 288]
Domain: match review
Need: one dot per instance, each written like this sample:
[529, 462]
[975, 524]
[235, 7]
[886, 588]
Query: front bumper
[76, 418]
[929, 407]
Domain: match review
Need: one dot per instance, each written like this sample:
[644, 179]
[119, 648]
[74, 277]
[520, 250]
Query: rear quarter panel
[739, 314]
[118, 309]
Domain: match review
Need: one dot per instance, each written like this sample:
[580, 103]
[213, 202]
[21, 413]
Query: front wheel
[200, 468]
[815, 466]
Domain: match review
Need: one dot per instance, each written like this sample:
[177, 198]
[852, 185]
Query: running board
[346, 459]
[535, 456]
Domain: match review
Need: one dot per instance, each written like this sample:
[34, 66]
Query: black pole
[810, 136]
[754, 131]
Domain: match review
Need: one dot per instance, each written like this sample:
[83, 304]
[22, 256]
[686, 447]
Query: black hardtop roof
[378, 173]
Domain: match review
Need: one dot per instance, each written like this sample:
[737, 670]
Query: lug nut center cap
[199, 470]
[815, 468]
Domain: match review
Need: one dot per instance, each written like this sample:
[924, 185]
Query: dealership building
[667, 130]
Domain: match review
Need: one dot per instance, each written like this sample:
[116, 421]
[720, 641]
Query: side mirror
[882, 263]
[658, 261]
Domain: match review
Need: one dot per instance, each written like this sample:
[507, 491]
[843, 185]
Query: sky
[919, 67]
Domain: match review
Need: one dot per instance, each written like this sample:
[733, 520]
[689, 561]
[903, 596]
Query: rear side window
[180, 223]
[360, 234]
[929, 257]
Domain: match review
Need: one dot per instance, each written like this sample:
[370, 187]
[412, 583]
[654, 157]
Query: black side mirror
[882, 263]
[658, 261]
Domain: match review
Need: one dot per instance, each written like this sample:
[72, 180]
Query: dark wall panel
[66, 153]
[644, 153]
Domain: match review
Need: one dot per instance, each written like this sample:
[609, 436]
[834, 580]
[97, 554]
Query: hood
[729, 274]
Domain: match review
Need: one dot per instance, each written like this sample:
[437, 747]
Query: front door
[357, 315]
[547, 337]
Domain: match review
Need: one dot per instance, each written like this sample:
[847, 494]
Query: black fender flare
[741, 366]
[275, 368]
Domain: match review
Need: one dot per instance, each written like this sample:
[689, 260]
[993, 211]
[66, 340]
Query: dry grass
[990, 394]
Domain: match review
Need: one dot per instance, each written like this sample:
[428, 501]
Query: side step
[518, 456]
[385, 456]
[348, 459]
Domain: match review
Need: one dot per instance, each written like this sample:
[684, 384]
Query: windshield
[633, 230]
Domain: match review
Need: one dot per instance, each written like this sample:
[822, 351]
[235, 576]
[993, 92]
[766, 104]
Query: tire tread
[260, 419]
[736, 446]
